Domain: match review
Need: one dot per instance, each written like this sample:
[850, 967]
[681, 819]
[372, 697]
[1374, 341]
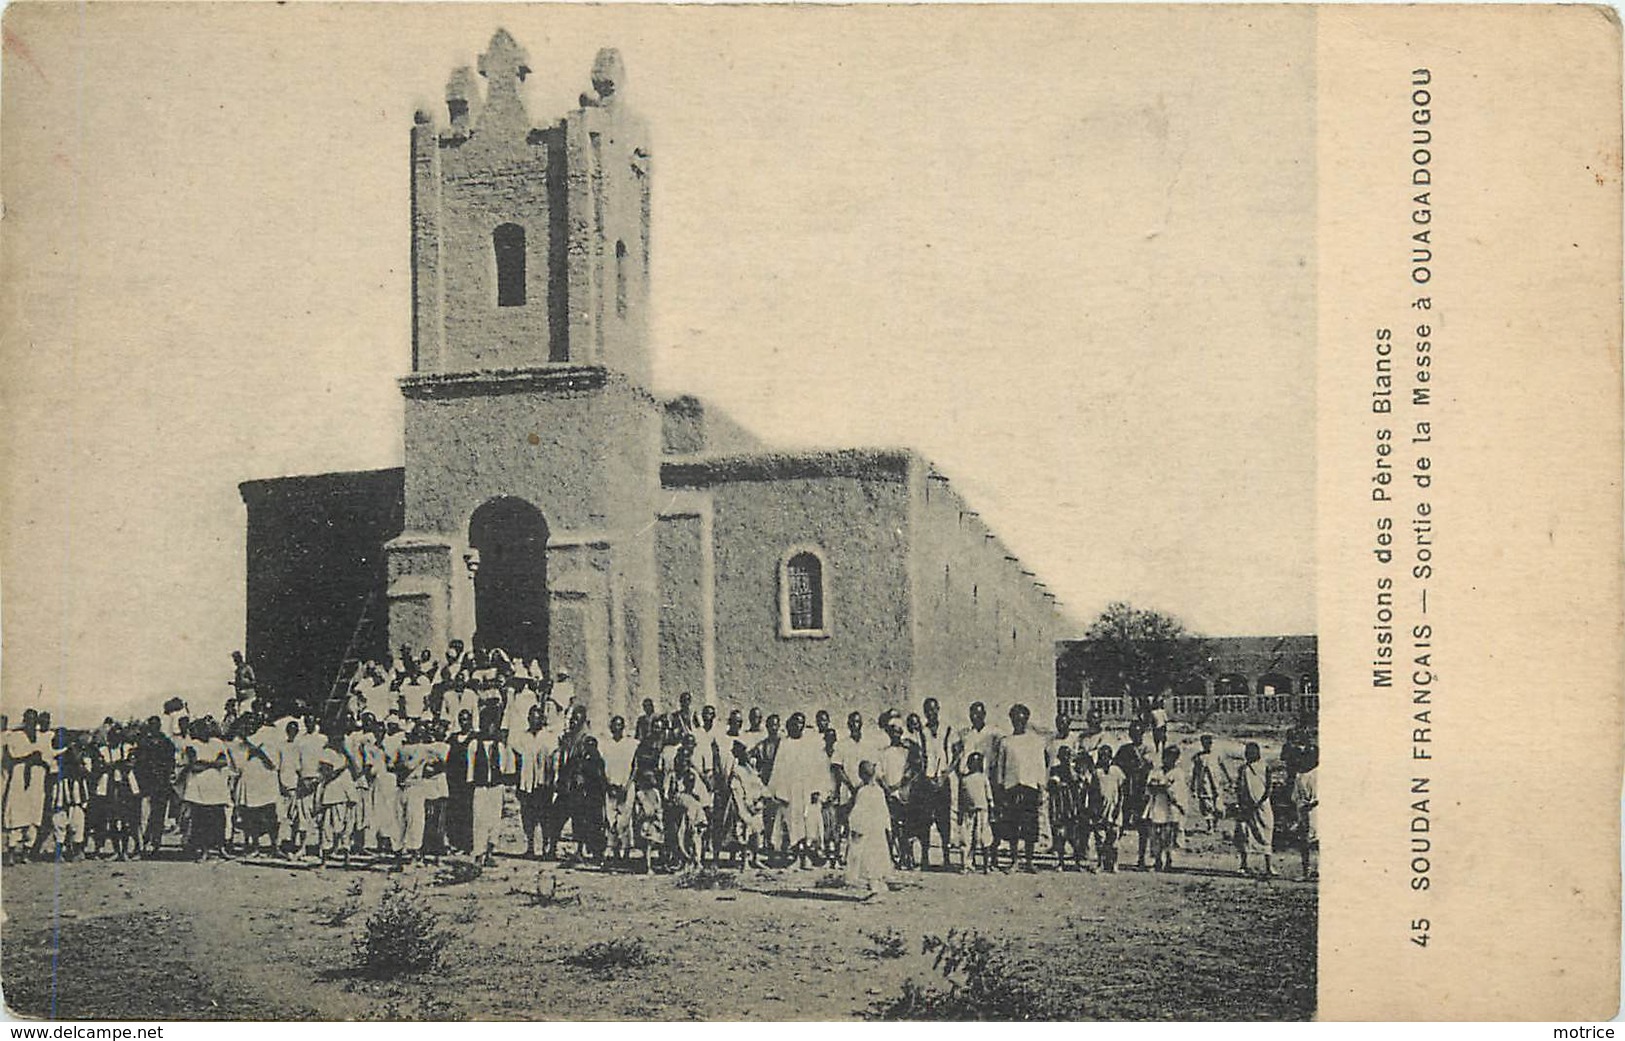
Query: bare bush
[707, 878]
[545, 893]
[608, 959]
[889, 944]
[457, 872]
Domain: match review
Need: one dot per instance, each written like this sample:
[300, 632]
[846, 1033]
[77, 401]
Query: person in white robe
[1255, 824]
[259, 791]
[800, 776]
[387, 808]
[868, 859]
[26, 751]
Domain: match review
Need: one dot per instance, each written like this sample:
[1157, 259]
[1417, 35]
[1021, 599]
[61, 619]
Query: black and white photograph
[610, 513]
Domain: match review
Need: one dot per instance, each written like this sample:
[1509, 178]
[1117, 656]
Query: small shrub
[606, 959]
[402, 936]
[469, 913]
[889, 944]
[417, 1008]
[457, 872]
[706, 878]
[984, 982]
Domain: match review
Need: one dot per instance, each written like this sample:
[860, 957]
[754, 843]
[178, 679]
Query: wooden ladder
[338, 696]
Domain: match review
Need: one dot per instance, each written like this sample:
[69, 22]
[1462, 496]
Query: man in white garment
[800, 774]
[530, 752]
[617, 751]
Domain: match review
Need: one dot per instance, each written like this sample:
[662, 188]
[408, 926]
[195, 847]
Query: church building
[551, 504]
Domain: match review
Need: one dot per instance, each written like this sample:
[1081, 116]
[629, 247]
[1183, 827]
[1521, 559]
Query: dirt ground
[169, 939]
[225, 940]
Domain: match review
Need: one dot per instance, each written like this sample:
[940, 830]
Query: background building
[1244, 678]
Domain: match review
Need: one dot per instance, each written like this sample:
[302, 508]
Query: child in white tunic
[975, 806]
[868, 861]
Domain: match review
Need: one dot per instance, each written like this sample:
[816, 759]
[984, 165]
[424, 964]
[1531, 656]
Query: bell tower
[530, 244]
[532, 444]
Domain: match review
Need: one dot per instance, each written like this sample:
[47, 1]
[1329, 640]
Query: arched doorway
[510, 584]
[1230, 692]
[1274, 683]
[1275, 693]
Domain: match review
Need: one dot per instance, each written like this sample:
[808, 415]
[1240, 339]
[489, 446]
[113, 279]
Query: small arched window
[802, 601]
[508, 242]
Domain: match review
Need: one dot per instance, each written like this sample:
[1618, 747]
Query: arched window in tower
[508, 241]
[802, 600]
[620, 279]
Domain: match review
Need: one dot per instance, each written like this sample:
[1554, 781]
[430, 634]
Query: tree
[1139, 655]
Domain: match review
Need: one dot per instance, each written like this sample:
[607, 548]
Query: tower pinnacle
[608, 79]
[504, 66]
[462, 98]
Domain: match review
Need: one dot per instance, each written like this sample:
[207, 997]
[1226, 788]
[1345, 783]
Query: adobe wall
[851, 506]
[724, 434]
[315, 555]
[684, 550]
[682, 543]
[581, 445]
[465, 187]
[984, 630]
[633, 495]
[608, 251]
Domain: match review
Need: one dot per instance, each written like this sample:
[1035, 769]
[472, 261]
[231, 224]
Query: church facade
[551, 504]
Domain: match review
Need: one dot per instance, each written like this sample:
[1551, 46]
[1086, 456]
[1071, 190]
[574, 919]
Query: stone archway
[1231, 693]
[510, 582]
[1273, 684]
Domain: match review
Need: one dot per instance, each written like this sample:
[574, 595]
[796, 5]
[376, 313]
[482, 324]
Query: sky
[1066, 253]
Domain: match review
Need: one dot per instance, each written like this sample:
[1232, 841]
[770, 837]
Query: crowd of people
[420, 755]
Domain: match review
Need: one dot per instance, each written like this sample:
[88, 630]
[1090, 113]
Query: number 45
[1420, 927]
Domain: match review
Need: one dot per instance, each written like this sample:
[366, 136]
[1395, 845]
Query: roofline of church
[885, 464]
[1283, 644]
[260, 488]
